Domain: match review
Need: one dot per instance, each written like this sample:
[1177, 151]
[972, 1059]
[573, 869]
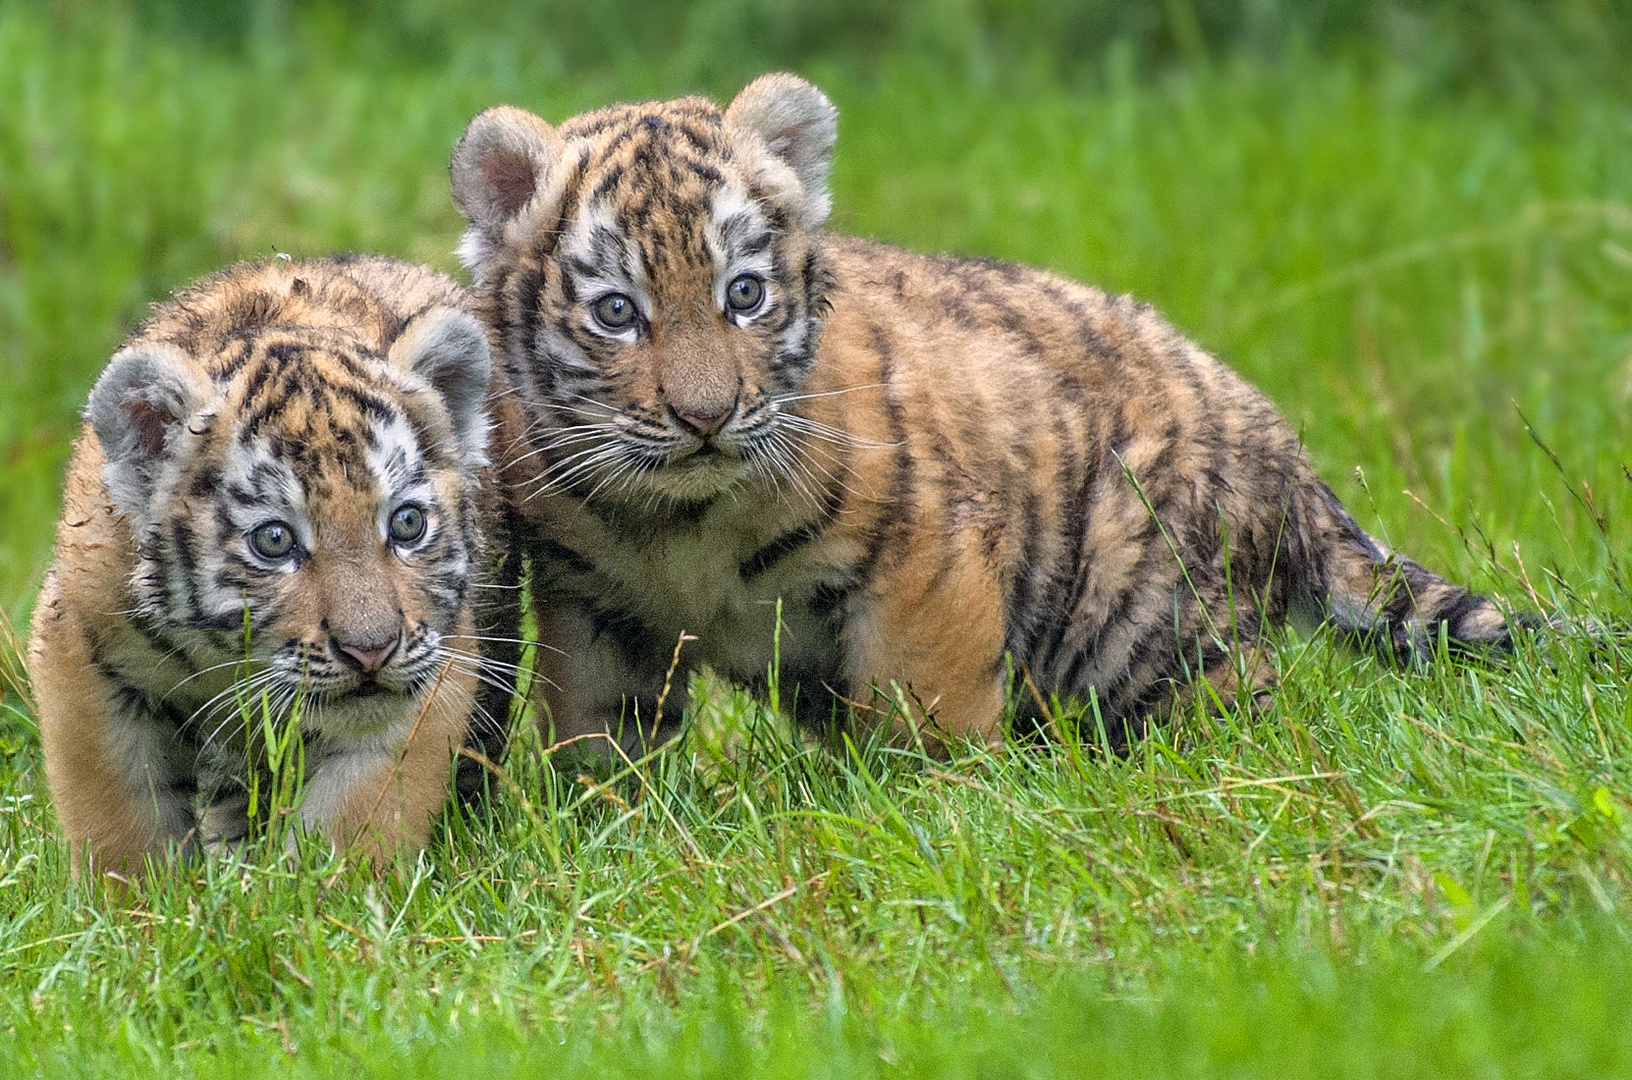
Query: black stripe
[627, 632]
[182, 542]
[1022, 628]
[232, 355]
[566, 556]
[1460, 606]
[205, 481]
[827, 600]
[606, 183]
[160, 642]
[369, 403]
[1079, 511]
[794, 539]
[897, 508]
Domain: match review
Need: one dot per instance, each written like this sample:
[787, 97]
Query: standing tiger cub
[933, 463]
[273, 505]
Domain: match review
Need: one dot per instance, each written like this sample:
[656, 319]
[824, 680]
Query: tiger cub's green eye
[273, 540]
[744, 293]
[615, 311]
[407, 524]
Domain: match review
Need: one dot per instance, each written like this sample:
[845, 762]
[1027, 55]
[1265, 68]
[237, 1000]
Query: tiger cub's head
[296, 448]
[654, 275]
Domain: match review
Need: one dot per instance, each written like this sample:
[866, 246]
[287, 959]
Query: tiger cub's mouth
[707, 455]
[349, 704]
[700, 473]
[372, 688]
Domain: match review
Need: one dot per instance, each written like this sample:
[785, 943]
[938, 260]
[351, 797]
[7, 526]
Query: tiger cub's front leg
[938, 636]
[118, 774]
[600, 684]
[378, 795]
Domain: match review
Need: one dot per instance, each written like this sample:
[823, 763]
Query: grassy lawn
[1394, 873]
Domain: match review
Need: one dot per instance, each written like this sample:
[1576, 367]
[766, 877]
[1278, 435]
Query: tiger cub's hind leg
[1245, 675]
[1240, 679]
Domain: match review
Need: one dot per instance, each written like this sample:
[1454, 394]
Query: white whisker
[205, 671]
[786, 399]
[829, 433]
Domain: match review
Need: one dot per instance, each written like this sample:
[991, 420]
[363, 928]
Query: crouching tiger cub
[273, 504]
[930, 462]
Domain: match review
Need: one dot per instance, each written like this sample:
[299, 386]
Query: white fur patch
[735, 227]
[562, 351]
[393, 461]
[475, 252]
[733, 621]
[336, 779]
[594, 241]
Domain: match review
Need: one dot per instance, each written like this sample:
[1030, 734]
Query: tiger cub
[939, 467]
[273, 505]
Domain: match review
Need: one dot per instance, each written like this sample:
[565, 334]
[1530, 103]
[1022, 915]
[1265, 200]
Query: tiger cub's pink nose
[365, 657]
[705, 420]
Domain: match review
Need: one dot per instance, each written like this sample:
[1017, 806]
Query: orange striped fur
[712, 405]
[234, 526]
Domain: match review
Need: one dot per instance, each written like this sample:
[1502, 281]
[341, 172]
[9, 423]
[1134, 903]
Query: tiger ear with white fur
[796, 123]
[500, 164]
[138, 409]
[448, 349]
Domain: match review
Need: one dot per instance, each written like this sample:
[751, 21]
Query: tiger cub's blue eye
[407, 524]
[744, 293]
[615, 311]
[273, 540]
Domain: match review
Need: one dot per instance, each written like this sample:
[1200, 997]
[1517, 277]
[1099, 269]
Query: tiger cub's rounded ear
[799, 126]
[499, 164]
[447, 348]
[138, 408]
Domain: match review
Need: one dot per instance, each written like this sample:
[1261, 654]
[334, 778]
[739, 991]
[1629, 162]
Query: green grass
[1392, 874]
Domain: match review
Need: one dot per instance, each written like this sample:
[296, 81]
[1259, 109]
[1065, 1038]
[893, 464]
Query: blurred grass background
[1399, 218]
[1410, 221]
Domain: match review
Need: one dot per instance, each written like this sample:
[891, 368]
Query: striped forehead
[690, 125]
[653, 178]
[659, 205]
[314, 404]
[315, 420]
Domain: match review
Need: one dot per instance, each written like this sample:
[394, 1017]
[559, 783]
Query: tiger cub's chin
[371, 710]
[274, 512]
[935, 471]
[696, 477]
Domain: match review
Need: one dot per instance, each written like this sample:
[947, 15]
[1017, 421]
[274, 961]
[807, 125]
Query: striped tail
[1383, 599]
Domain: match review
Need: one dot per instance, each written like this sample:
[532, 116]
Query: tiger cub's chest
[718, 580]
